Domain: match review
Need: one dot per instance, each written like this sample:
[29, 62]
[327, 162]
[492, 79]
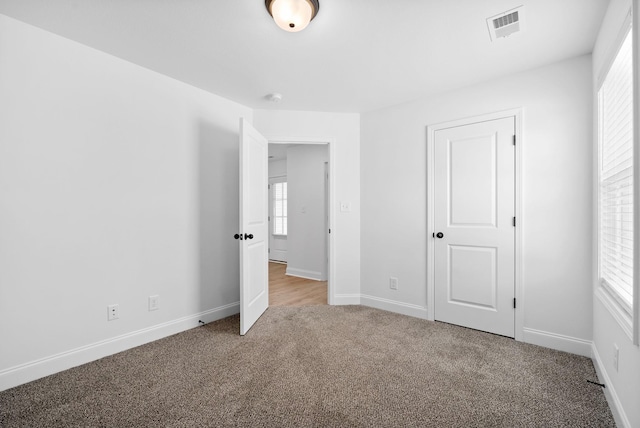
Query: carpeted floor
[320, 366]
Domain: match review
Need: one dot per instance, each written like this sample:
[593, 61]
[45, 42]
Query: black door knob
[440, 235]
[236, 236]
[249, 236]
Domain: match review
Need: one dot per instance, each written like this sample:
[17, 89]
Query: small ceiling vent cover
[505, 24]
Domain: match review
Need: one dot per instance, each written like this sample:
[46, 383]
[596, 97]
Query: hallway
[294, 291]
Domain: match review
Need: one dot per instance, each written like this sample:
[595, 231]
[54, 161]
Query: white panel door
[474, 226]
[254, 226]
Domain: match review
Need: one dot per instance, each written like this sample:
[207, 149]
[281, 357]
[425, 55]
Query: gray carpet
[322, 366]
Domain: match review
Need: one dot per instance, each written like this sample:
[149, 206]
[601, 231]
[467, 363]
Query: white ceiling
[357, 55]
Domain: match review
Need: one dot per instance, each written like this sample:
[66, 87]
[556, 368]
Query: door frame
[517, 114]
[330, 143]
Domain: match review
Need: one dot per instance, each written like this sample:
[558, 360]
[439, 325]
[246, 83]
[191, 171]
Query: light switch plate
[154, 303]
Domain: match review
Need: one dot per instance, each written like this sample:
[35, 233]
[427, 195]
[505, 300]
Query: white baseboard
[557, 341]
[33, 370]
[609, 392]
[394, 306]
[346, 299]
[307, 274]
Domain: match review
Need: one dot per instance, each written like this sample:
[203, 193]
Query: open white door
[254, 226]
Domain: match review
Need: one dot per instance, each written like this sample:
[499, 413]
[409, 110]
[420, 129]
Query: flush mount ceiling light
[292, 15]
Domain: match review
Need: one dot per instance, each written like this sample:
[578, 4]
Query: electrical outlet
[393, 283]
[113, 312]
[154, 303]
[616, 356]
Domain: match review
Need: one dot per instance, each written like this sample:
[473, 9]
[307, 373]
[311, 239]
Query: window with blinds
[615, 132]
[280, 208]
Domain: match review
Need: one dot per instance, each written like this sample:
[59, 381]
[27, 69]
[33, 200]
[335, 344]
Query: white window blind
[615, 115]
[280, 208]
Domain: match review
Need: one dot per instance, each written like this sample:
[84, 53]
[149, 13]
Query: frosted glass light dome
[292, 15]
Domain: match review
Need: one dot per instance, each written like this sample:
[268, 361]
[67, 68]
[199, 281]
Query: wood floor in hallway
[293, 291]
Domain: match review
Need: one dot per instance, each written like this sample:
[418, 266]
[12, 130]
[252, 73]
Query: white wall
[623, 385]
[344, 131]
[117, 183]
[278, 168]
[306, 240]
[556, 193]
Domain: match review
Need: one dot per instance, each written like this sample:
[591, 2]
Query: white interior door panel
[254, 226]
[474, 196]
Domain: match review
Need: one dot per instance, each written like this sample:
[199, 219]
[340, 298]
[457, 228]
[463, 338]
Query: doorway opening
[286, 290]
[299, 219]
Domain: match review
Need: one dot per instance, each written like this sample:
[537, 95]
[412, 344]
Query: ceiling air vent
[505, 24]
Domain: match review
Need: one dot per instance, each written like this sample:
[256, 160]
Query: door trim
[330, 142]
[516, 113]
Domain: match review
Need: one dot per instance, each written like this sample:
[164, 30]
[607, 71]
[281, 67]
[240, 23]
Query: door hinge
[329, 230]
[514, 303]
[269, 186]
[268, 218]
[514, 140]
[514, 222]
